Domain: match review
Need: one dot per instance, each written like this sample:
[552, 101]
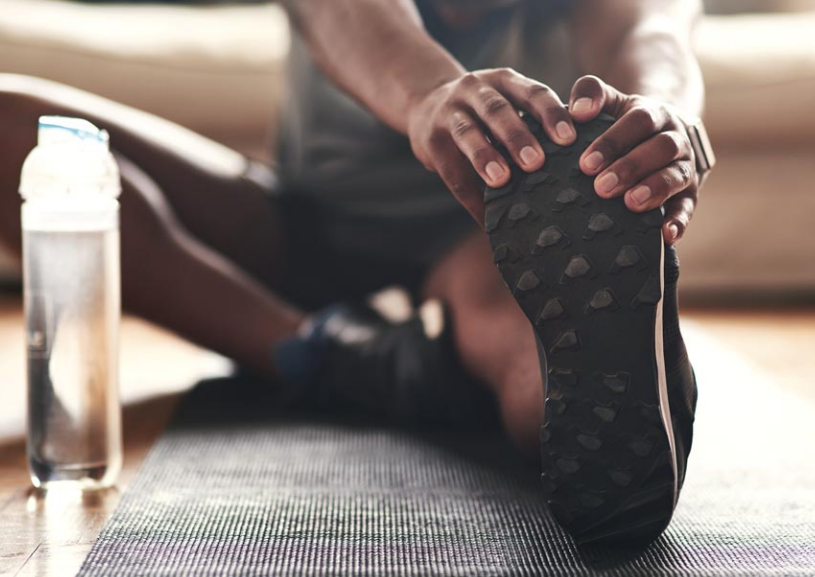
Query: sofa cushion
[215, 69]
[760, 76]
[218, 67]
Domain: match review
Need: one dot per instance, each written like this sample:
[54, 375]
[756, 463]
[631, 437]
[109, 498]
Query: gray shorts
[332, 255]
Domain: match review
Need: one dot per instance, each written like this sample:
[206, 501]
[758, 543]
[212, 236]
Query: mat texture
[232, 489]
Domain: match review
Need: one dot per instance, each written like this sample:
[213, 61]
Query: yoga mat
[234, 489]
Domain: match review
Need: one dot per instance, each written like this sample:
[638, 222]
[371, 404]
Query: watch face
[705, 158]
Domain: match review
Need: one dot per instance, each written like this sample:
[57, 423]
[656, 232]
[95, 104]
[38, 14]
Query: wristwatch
[702, 150]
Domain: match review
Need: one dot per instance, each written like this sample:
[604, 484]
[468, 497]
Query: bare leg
[493, 336]
[200, 244]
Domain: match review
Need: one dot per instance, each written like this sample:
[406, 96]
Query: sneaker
[599, 287]
[358, 362]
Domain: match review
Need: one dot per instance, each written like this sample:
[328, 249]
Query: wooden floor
[51, 534]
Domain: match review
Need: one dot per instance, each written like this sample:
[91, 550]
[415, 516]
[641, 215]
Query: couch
[219, 70]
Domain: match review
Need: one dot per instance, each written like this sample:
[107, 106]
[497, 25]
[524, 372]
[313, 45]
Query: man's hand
[454, 128]
[646, 155]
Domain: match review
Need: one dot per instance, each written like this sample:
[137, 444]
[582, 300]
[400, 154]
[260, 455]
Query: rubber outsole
[588, 274]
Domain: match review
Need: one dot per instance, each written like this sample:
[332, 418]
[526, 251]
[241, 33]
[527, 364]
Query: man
[223, 252]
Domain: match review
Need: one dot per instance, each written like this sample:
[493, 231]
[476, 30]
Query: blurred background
[218, 68]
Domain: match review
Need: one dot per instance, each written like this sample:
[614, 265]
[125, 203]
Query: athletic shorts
[331, 255]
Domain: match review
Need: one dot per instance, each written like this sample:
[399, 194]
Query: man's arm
[375, 50]
[380, 53]
[641, 49]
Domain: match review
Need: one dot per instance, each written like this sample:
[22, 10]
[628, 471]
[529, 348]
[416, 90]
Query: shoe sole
[588, 274]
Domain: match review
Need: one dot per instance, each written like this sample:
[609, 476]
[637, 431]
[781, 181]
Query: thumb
[591, 96]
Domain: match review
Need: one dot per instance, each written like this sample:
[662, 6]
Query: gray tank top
[335, 151]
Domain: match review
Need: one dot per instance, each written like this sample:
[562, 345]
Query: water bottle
[70, 220]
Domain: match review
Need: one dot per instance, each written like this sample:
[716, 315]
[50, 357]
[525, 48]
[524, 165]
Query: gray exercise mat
[232, 490]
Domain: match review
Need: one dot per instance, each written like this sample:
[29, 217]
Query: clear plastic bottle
[70, 219]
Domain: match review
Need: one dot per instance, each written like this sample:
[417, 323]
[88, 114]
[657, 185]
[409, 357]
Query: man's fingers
[644, 155]
[541, 102]
[503, 123]
[655, 153]
[654, 190]
[634, 127]
[472, 142]
[678, 213]
[590, 96]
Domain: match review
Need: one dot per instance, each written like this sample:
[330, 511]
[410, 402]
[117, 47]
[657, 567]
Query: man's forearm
[656, 63]
[376, 50]
[646, 51]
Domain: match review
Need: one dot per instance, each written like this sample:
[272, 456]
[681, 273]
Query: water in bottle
[70, 221]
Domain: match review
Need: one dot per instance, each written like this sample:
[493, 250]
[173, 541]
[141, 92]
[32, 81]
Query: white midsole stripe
[664, 405]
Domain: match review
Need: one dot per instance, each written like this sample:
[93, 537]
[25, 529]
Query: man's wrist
[702, 150]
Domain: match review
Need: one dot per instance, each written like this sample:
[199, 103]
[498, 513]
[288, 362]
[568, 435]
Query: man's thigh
[212, 191]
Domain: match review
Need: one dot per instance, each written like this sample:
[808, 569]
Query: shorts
[331, 255]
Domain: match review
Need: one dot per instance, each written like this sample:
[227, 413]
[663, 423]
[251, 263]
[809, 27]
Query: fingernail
[582, 106]
[494, 170]
[641, 194]
[529, 155]
[606, 183]
[594, 160]
[564, 130]
[673, 230]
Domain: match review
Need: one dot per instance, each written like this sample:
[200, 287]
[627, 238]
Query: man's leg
[494, 339]
[200, 243]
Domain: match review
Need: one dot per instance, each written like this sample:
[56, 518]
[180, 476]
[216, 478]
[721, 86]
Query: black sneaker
[599, 287]
[366, 365]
